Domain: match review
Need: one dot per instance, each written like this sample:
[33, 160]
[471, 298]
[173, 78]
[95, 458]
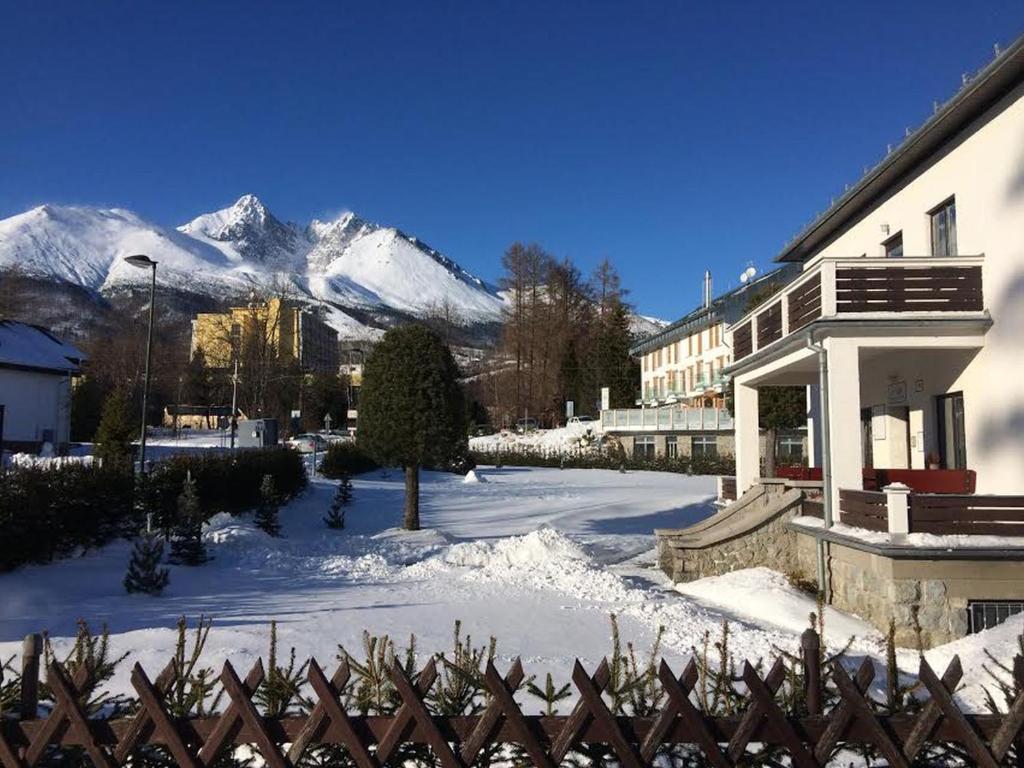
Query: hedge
[46, 513]
[226, 482]
[52, 512]
[345, 458]
[528, 457]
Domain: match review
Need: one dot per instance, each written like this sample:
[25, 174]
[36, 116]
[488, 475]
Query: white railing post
[828, 288]
[784, 308]
[897, 501]
[753, 333]
[721, 487]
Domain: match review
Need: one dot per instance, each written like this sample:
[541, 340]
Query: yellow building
[276, 329]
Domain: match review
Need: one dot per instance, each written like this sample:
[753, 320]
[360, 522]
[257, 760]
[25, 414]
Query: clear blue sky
[670, 137]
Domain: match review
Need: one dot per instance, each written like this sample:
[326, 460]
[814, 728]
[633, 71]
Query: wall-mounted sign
[897, 394]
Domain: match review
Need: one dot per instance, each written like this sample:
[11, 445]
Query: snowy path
[536, 557]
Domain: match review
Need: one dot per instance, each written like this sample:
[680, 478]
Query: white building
[909, 310]
[682, 409]
[35, 387]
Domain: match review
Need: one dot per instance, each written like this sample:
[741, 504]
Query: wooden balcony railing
[838, 288]
[938, 514]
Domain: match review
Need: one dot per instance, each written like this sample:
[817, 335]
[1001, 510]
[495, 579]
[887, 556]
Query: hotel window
[689, 345]
[943, 221]
[703, 445]
[672, 447]
[643, 447]
[791, 448]
[700, 342]
[894, 246]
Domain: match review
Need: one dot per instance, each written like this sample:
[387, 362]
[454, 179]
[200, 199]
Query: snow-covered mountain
[360, 269]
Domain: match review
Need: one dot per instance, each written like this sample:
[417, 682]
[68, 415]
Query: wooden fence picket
[850, 719]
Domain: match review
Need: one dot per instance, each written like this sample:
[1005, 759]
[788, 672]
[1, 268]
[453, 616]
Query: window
[985, 614]
[944, 229]
[952, 436]
[703, 445]
[791, 449]
[672, 447]
[643, 447]
[894, 246]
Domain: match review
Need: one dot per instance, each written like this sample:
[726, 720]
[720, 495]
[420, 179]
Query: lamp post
[144, 262]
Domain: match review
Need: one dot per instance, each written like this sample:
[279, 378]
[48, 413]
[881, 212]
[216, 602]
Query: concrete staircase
[747, 533]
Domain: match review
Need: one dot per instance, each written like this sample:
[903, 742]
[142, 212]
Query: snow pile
[575, 437]
[472, 477]
[47, 462]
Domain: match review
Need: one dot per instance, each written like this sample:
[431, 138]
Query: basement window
[643, 447]
[704, 445]
[985, 614]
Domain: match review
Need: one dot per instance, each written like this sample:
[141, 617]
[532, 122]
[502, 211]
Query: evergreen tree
[266, 512]
[412, 409]
[187, 546]
[116, 429]
[144, 571]
[342, 498]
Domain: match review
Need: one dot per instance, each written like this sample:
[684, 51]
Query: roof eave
[992, 84]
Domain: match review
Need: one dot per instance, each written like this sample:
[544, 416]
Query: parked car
[304, 443]
[336, 436]
[527, 425]
[585, 421]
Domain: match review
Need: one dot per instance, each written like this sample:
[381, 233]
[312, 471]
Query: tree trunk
[770, 440]
[412, 498]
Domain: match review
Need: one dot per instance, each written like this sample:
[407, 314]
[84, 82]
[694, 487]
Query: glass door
[952, 442]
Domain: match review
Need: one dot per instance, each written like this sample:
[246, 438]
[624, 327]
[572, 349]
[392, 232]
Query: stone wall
[926, 596]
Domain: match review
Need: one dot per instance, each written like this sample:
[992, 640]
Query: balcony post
[745, 426]
[844, 429]
[753, 336]
[828, 288]
[897, 501]
[784, 306]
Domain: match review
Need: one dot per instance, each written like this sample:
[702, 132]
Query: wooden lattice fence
[839, 714]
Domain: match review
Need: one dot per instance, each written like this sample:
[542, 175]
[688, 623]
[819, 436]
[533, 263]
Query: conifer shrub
[116, 430]
[266, 513]
[342, 498]
[144, 572]
[187, 546]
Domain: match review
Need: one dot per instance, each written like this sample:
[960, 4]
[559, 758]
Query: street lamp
[144, 262]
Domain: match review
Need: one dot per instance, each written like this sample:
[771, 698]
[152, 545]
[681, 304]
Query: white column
[814, 426]
[844, 416]
[745, 424]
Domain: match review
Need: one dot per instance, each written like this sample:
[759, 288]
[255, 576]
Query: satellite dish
[744, 277]
[750, 272]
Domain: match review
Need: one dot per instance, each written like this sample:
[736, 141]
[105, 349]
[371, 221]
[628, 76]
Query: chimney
[707, 288]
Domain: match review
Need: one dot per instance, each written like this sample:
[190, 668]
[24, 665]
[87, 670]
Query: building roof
[725, 308]
[32, 347]
[977, 96]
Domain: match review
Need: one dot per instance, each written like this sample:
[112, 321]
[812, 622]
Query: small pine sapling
[550, 694]
[144, 572]
[280, 693]
[266, 512]
[342, 498]
[187, 546]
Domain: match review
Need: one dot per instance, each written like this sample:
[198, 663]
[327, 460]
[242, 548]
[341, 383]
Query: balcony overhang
[791, 353]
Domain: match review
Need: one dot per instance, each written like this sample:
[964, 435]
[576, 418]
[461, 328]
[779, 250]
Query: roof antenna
[997, 49]
[935, 105]
[965, 78]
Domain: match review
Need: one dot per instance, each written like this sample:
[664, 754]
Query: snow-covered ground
[536, 557]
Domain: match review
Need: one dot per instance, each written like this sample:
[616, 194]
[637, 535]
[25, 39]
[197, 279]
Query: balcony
[853, 289]
[673, 418]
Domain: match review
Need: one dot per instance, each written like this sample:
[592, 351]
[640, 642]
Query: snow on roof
[30, 346]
